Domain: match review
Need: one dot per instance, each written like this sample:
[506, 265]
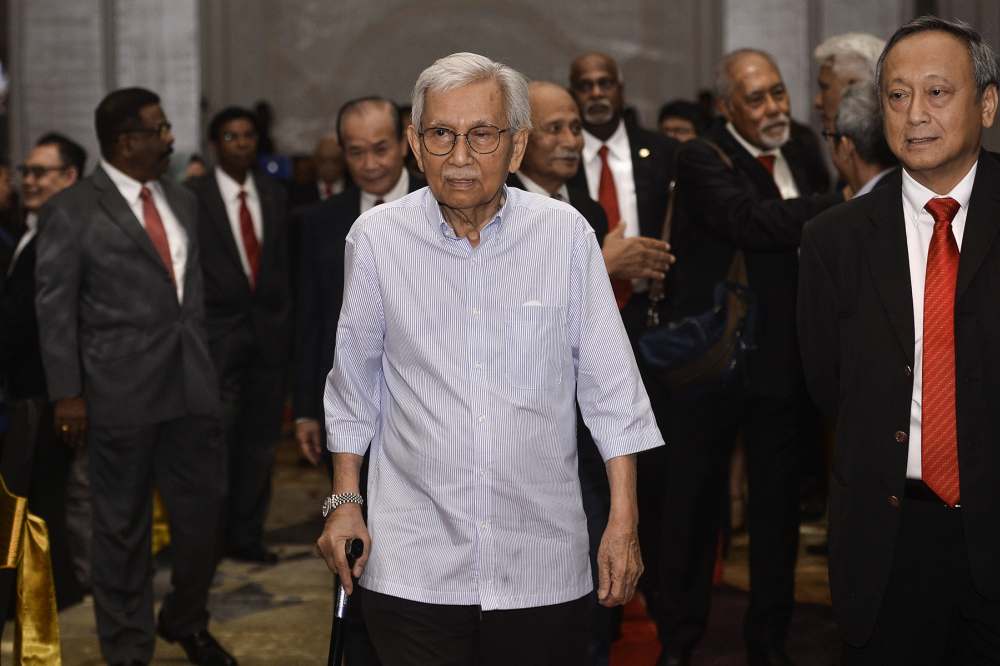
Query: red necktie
[938, 428]
[250, 243]
[327, 190]
[607, 196]
[154, 227]
[767, 161]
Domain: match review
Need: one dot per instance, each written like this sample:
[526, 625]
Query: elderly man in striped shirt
[474, 317]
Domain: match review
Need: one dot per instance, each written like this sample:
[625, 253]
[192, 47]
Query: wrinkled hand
[635, 257]
[70, 417]
[619, 564]
[307, 434]
[344, 524]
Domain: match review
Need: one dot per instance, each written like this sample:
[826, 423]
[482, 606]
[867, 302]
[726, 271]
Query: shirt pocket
[534, 346]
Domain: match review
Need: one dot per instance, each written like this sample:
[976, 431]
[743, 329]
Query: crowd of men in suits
[149, 331]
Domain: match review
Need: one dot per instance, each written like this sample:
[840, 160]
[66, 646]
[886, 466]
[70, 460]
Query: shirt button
[482, 418]
[901, 437]
[478, 366]
[475, 312]
[893, 501]
[483, 525]
[908, 371]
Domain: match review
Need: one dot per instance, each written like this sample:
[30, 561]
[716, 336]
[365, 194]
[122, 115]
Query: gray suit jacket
[110, 326]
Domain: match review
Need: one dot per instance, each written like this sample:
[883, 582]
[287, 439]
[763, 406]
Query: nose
[461, 154]
[916, 111]
[772, 108]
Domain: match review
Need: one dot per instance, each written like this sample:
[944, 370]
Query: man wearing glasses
[475, 316]
[244, 257]
[121, 323]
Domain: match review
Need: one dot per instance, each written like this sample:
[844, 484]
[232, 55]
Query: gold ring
[65, 428]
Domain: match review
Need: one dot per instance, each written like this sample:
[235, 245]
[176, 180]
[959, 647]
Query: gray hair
[984, 60]
[461, 69]
[853, 54]
[723, 79]
[860, 120]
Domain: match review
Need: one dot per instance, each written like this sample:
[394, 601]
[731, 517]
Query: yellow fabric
[161, 530]
[24, 544]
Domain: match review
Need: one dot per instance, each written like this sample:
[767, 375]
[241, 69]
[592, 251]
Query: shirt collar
[532, 186]
[398, 191]
[230, 189]
[754, 151]
[31, 222]
[128, 186]
[617, 144]
[872, 182]
[917, 196]
[437, 218]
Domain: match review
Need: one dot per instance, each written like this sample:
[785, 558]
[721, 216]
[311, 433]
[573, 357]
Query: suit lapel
[746, 163]
[889, 261]
[121, 214]
[641, 177]
[187, 222]
[268, 213]
[219, 218]
[982, 221]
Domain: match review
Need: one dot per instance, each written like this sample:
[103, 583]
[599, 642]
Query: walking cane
[354, 549]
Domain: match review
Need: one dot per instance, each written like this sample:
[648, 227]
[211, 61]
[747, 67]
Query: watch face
[327, 501]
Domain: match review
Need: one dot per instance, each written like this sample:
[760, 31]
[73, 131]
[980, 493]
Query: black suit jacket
[231, 306]
[579, 199]
[857, 339]
[321, 291]
[110, 326]
[21, 369]
[720, 210]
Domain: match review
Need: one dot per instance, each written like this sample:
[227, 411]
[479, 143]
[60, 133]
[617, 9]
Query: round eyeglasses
[440, 141]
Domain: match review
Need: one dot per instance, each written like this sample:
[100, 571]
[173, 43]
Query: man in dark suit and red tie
[121, 325]
[898, 321]
[244, 249]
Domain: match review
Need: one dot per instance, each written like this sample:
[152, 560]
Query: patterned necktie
[607, 196]
[767, 161]
[250, 243]
[154, 227]
[939, 432]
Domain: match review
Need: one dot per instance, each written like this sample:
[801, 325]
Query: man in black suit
[754, 200]
[898, 323]
[121, 324]
[551, 159]
[628, 171]
[328, 158]
[243, 236]
[35, 462]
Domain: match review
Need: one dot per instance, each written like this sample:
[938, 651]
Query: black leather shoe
[202, 649]
[683, 659]
[772, 656]
[256, 554]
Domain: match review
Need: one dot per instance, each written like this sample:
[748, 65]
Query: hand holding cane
[354, 549]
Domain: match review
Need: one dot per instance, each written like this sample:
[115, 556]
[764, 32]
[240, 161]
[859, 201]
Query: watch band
[331, 503]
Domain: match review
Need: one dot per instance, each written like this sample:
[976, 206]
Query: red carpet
[638, 645]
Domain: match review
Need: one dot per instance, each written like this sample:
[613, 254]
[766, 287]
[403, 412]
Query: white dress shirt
[872, 182]
[782, 173]
[532, 186]
[620, 163]
[31, 222]
[177, 238]
[230, 191]
[919, 229]
[398, 190]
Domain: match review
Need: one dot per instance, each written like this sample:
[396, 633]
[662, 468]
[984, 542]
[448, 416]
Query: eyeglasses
[832, 135]
[36, 171]
[162, 130]
[440, 141]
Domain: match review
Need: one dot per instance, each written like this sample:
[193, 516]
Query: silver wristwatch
[333, 501]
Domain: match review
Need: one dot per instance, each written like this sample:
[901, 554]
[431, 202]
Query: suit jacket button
[893, 501]
[902, 437]
[908, 371]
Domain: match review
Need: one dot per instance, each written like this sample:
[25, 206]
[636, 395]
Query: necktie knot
[943, 210]
[603, 153]
[242, 195]
[767, 161]
[145, 194]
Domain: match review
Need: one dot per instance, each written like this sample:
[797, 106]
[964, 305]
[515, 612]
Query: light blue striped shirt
[460, 367]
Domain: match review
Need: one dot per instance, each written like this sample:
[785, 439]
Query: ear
[414, 139]
[722, 107]
[72, 175]
[520, 142]
[989, 105]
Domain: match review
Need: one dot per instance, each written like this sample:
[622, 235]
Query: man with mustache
[754, 200]
[476, 317]
[122, 331]
[551, 159]
[244, 255]
[898, 322]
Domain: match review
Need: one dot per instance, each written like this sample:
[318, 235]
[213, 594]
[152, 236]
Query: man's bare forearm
[622, 480]
[347, 473]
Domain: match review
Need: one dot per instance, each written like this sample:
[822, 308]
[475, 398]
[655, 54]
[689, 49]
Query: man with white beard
[755, 201]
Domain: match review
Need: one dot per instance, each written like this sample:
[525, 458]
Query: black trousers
[411, 633]
[184, 460]
[931, 613]
[253, 398]
[700, 434]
